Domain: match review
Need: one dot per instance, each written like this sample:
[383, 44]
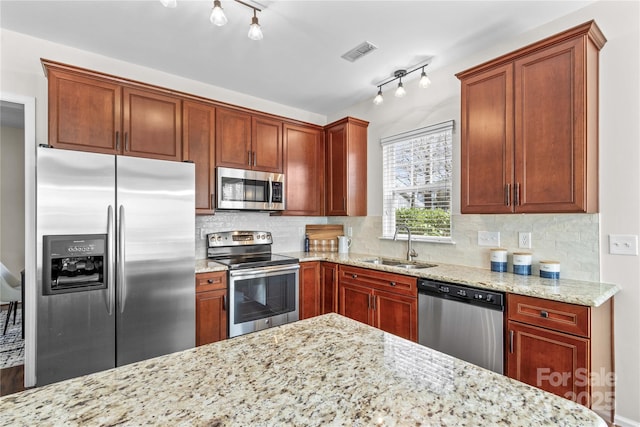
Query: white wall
[619, 172]
[12, 199]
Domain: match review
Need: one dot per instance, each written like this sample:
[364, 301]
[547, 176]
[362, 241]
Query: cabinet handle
[510, 341]
[126, 141]
[354, 276]
[516, 195]
[209, 280]
[392, 283]
[117, 140]
[249, 157]
[507, 194]
[344, 203]
[544, 314]
[254, 158]
[369, 301]
[373, 297]
[224, 302]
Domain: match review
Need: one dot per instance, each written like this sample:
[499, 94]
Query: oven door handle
[263, 271]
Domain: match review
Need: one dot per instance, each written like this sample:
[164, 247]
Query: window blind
[417, 175]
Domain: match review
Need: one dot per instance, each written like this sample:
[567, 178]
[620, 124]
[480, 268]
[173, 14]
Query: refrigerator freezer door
[156, 254]
[75, 332]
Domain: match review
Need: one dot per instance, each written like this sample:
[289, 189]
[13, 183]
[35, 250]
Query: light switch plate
[623, 244]
[489, 238]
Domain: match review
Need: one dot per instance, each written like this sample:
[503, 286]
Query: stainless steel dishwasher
[463, 322]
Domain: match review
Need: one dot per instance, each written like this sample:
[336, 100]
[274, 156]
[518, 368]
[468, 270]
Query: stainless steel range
[263, 287]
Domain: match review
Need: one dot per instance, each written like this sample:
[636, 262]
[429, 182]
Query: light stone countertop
[572, 291]
[208, 266]
[327, 370]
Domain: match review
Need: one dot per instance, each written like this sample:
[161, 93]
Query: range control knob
[489, 298]
[444, 289]
[478, 296]
[462, 293]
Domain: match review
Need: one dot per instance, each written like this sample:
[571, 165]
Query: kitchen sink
[410, 265]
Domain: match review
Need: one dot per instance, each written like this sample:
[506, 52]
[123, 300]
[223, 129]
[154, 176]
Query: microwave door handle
[270, 191]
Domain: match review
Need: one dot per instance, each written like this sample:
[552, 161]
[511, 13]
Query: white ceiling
[298, 62]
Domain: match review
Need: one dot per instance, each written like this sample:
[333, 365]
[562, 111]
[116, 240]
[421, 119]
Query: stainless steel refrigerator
[115, 261]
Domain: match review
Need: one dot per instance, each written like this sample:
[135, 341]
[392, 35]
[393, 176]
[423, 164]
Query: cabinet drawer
[375, 279]
[211, 281]
[559, 316]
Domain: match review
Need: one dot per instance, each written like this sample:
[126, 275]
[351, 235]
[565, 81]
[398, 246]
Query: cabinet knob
[354, 276]
[544, 314]
[392, 283]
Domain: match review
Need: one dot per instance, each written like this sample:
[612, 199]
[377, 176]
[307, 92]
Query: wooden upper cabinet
[303, 170]
[233, 139]
[84, 112]
[529, 128]
[346, 167]
[487, 141]
[89, 111]
[152, 124]
[266, 144]
[244, 141]
[198, 136]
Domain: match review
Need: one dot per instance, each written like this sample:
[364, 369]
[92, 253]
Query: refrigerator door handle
[110, 261]
[122, 282]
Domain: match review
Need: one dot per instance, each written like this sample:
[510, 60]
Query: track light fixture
[400, 90]
[219, 18]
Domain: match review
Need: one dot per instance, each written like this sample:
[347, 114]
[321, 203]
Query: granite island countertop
[327, 370]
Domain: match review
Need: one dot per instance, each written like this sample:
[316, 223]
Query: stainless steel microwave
[239, 189]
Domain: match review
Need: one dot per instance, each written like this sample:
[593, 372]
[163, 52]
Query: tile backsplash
[287, 231]
[572, 239]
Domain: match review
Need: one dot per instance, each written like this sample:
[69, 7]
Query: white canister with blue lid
[499, 260]
[550, 269]
[522, 263]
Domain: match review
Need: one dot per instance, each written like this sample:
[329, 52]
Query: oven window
[264, 297]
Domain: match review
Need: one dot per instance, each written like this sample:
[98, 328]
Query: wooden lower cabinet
[309, 289]
[563, 348]
[328, 287]
[211, 307]
[383, 300]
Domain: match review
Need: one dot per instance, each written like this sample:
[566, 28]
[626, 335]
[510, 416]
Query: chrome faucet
[411, 253]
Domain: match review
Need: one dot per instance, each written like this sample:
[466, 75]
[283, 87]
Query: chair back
[9, 285]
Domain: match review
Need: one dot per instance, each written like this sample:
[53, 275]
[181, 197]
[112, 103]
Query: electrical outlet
[524, 239]
[349, 231]
[623, 244]
[489, 238]
[203, 233]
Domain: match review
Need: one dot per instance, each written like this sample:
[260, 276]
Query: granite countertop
[327, 370]
[572, 291]
[208, 266]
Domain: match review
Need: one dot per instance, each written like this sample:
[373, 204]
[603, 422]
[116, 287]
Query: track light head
[378, 99]
[255, 32]
[217, 17]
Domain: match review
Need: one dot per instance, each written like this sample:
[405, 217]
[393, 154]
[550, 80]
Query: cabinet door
[336, 140]
[266, 144]
[550, 151]
[355, 302]
[84, 113]
[152, 125]
[198, 136]
[328, 288]
[211, 316]
[233, 139]
[304, 170]
[309, 289]
[396, 314]
[487, 141]
[553, 361]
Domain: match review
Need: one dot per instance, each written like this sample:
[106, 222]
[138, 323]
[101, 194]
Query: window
[417, 172]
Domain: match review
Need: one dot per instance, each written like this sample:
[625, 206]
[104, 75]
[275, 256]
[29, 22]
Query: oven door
[261, 298]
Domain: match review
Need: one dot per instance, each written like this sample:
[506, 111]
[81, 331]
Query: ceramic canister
[522, 263]
[550, 269]
[498, 259]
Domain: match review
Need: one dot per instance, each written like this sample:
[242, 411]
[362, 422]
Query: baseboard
[626, 422]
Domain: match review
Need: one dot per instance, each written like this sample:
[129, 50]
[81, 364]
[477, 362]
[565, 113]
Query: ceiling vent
[359, 51]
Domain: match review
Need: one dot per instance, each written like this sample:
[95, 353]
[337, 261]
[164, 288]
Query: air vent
[359, 51]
